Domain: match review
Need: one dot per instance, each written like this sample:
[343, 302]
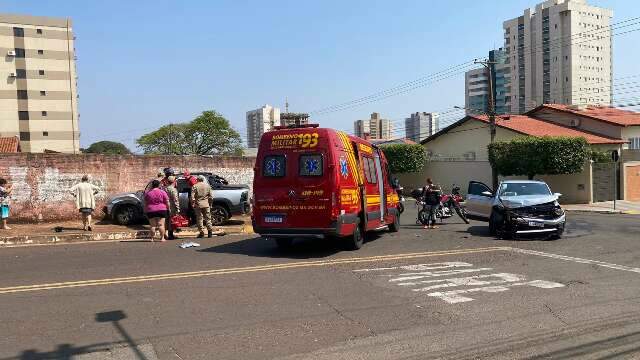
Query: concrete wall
[41, 181]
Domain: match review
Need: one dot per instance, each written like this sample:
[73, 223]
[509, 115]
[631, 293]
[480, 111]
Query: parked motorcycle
[447, 205]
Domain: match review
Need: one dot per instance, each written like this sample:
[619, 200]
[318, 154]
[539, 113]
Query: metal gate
[603, 181]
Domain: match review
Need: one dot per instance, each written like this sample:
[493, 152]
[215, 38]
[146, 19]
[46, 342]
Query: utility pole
[491, 113]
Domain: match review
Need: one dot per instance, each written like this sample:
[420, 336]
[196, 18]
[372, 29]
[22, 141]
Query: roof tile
[9, 144]
[603, 113]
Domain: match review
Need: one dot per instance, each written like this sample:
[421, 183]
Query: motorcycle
[446, 206]
[452, 202]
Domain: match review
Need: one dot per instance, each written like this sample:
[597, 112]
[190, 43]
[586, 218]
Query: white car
[520, 207]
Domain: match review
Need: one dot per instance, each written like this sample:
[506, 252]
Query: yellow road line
[213, 272]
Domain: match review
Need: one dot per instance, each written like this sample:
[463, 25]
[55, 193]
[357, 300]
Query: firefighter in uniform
[200, 197]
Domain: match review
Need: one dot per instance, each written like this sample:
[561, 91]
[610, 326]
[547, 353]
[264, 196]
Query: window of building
[566, 79]
[21, 73]
[25, 136]
[19, 53]
[22, 94]
[18, 32]
[40, 52]
[43, 93]
[41, 72]
[39, 31]
[45, 133]
[44, 113]
[23, 115]
[634, 143]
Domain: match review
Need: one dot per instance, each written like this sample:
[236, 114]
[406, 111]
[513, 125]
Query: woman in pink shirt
[156, 205]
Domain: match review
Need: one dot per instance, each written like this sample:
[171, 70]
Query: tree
[208, 134]
[107, 148]
[546, 155]
[405, 158]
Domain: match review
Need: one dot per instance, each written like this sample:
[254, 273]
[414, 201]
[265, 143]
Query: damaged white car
[520, 207]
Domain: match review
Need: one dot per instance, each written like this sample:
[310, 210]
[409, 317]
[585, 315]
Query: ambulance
[323, 183]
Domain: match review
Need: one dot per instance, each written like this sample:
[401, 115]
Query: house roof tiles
[9, 144]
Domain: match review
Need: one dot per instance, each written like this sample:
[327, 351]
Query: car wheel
[355, 241]
[126, 215]
[219, 215]
[284, 243]
[395, 225]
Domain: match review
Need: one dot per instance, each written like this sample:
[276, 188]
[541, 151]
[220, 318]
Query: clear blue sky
[145, 63]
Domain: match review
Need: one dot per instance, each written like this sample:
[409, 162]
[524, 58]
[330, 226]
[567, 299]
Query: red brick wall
[41, 181]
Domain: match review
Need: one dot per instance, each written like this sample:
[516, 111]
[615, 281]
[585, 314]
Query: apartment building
[420, 125]
[260, 121]
[477, 85]
[560, 52]
[374, 128]
[38, 92]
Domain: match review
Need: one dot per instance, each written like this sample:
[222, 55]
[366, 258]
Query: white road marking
[455, 296]
[423, 280]
[577, 260]
[427, 274]
[421, 267]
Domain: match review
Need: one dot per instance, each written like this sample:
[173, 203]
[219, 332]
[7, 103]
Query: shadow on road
[301, 248]
[68, 351]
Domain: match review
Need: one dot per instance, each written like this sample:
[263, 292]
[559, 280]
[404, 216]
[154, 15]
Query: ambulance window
[370, 170]
[274, 166]
[310, 165]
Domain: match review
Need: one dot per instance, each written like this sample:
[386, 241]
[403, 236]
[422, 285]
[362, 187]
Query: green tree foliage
[208, 134]
[532, 156]
[405, 158]
[107, 148]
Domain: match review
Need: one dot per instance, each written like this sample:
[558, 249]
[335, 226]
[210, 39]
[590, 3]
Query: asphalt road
[452, 293]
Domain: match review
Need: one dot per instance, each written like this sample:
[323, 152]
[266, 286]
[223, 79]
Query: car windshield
[521, 189]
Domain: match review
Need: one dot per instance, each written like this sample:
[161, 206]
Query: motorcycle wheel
[463, 214]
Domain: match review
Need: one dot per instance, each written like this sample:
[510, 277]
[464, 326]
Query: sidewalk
[44, 233]
[606, 207]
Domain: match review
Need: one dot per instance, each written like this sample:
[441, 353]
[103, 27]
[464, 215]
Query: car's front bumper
[524, 225]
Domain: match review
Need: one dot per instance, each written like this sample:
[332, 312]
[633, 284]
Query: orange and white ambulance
[318, 182]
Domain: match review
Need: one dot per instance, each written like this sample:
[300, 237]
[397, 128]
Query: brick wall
[40, 181]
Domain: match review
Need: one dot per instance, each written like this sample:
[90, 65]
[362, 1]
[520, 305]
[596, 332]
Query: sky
[142, 64]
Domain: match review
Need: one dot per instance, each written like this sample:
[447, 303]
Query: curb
[604, 212]
[50, 239]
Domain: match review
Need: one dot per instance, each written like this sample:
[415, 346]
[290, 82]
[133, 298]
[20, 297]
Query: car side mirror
[557, 195]
[487, 193]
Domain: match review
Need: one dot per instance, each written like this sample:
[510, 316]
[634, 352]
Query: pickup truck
[228, 200]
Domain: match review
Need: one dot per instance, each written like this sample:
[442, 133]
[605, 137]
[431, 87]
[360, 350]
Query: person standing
[200, 199]
[85, 194]
[5, 194]
[432, 200]
[174, 204]
[156, 204]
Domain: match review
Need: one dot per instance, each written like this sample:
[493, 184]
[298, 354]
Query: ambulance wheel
[355, 241]
[284, 243]
[395, 225]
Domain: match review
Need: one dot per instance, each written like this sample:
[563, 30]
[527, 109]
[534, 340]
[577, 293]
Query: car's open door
[479, 200]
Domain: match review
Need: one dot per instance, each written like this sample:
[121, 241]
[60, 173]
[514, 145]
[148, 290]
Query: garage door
[603, 182]
[632, 183]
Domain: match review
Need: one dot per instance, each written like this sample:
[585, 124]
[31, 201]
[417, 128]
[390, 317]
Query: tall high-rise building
[38, 91]
[477, 85]
[560, 52]
[260, 121]
[374, 128]
[421, 125]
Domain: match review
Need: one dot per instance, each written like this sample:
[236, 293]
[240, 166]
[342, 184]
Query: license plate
[536, 224]
[274, 219]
